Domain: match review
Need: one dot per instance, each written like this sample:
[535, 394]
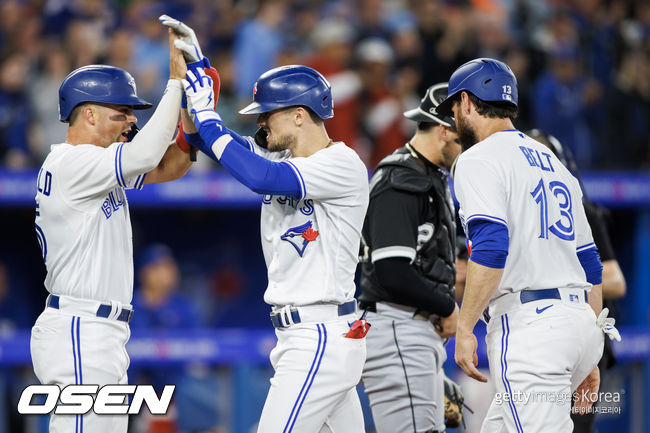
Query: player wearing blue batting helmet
[489, 80]
[98, 83]
[292, 85]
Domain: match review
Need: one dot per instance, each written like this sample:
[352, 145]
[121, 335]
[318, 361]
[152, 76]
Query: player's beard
[466, 134]
[283, 142]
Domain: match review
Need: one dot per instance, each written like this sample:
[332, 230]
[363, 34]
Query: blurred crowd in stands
[583, 65]
[584, 76]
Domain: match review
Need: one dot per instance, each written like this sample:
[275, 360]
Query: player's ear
[89, 114]
[465, 103]
[299, 116]
[442, 133]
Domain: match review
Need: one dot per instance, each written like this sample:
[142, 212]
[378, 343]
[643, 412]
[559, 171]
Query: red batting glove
[181, 142]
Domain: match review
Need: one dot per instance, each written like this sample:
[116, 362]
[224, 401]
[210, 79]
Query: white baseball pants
[78, 347]
[538, 356]
[314, 386]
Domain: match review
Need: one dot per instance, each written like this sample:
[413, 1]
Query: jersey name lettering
[307, 207]
[44, 182]
[113, 202]
[535, 159]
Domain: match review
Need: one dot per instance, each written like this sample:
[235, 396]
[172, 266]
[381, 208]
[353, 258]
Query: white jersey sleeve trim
[390, 252]
[301, 181]
[118, 166]
[250, 141]
[586, 247]
[139, 181]
[220, 144]
[490, 218]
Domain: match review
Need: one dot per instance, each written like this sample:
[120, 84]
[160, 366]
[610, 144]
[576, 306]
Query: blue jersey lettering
[113, 202]
[307, 207]
[535, 159]
[44, 182]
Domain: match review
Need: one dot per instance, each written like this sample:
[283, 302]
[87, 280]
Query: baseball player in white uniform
[533, 262]
[84, 229]
[315, 199]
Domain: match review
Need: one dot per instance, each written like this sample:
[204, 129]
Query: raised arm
[145, 152]
[232, 150]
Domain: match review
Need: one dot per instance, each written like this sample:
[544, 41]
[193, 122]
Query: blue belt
[276, 319]
[535, 295]
[104, 310]
[526, 296]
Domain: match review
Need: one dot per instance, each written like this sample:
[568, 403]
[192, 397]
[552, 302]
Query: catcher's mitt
[453, 404]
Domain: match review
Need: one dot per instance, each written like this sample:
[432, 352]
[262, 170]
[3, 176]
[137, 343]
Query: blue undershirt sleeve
[259, 174]
[255, 172]
[198, 142]
[489, 243]
[590, 261]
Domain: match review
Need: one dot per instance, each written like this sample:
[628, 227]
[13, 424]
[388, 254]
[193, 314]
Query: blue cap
[153, 254]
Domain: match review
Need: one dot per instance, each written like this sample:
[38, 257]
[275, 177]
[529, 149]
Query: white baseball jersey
[511, 179]
[83, 223]
[311, 242]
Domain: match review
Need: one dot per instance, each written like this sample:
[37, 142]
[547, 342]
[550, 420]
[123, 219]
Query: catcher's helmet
[426, 111]
[488, 79]
[98, 83]
[291, 85]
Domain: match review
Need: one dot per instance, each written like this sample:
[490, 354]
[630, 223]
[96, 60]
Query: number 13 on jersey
[562, 228]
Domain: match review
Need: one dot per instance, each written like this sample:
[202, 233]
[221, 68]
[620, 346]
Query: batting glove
[200, 97]
[188, 43]
[607, 325]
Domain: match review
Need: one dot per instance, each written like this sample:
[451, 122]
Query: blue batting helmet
[98, 83]
[488, 79]
[291, 85]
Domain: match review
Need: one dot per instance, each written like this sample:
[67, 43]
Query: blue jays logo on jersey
[300, 236]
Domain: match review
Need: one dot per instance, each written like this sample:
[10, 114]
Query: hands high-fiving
[200, 97]
[187, 42]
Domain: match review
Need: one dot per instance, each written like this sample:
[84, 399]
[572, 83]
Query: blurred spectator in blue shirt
[157, 303]
[257, 45]
[149, 52]
[370, 20]
[14, 111]
[563, 98]
[43, 91]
